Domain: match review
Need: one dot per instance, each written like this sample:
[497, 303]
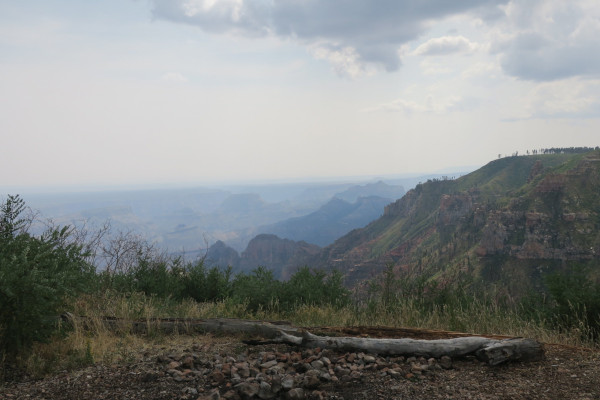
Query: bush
[202, 285]
[574, 302]
[37, 277]
[259, 290]
[315, 288]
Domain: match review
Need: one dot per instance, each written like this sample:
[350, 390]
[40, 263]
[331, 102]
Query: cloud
[549, 40]
[357, 30]
[446, 45]
[429, 105]
[566, 99]
[174, 77]
[345, 61]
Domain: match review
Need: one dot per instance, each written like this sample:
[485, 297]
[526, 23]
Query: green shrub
[158, 276]
[202, 285]
[259, 290]
[38, 274]
[574, 302]
[316, 288]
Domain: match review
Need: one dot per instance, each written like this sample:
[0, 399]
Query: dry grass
[89, 341]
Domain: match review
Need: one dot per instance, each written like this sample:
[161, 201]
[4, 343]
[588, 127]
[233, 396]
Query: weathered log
[491, 351]
[517, 349]
[264, 329]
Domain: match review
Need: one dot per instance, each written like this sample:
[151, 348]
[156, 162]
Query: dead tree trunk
[492, 351]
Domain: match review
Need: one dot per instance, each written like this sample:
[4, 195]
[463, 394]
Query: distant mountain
[331, 221]
[282, 256]
[377, 189]
[219, 254]
[506, 224]
[234, 221]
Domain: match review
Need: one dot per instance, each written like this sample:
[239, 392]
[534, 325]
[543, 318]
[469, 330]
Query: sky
[129, 92]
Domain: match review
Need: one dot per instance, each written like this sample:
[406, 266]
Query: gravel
[204, 367]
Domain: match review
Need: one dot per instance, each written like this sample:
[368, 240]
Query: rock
[369, 359]
[394, 373]
[265, 391]
[236, 380]
[212, 395]
[317, 364]
[173, 365]
[162, 359]
[276, 383]
[316, 395]
[355, 375]
[188, 362]
[217, 377]
[287, 382]
[311, 382]
[231, 395]
[243, 369]
[296, 394]
[247, 389]
[173, 372]
[268, 364]
[416, 369]
[295, 357]
[446, 362]
[189, 390]
[325, 376]
[149, 377]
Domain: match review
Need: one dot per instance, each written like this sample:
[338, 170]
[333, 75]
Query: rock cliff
[282, 256]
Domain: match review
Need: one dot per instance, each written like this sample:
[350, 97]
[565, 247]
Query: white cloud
[174, 77]
[428, 105]
[226, 8]
[481, 69]
[345, 61]
[446, 45]
[570, 98]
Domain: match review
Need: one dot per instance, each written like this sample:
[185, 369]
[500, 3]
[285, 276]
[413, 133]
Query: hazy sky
[157, 91]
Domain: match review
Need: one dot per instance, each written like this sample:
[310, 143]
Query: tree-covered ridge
[556, 150]
[508, 223]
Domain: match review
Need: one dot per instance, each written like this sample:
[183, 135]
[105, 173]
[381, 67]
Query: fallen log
[264, 329]
[491, 351]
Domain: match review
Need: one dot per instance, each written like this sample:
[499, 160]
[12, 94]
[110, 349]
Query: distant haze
[123, 92]
[188, 220]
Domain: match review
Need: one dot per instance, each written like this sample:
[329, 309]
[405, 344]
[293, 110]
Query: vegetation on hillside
[505, 226]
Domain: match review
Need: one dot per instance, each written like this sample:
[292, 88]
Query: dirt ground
[208, 367]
